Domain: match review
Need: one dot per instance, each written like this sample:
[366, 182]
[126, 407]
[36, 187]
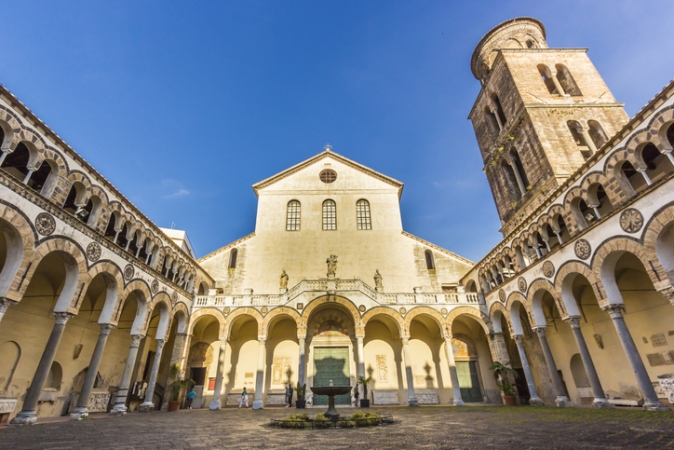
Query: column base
[79, 413]
[25, 418]
[146, 407]
[458, 403]
[602, 403]
[412, 402]
[216, 404]
[535, 401]
[656, 407]
[563, 402]
[257, 404]
[119, 410]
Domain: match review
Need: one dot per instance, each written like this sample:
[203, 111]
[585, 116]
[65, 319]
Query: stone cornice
[46, 205]
[226, 247]
[435, 247]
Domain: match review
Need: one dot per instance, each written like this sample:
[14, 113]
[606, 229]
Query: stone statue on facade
[378, 286]
[332, 265]
[284, 279]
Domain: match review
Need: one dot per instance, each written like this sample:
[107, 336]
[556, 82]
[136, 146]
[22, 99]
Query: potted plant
[364, 402]
[301, 392]
[176, 387]
[502, 374]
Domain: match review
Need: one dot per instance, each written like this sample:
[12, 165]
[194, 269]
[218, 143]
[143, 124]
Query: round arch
[320, 301]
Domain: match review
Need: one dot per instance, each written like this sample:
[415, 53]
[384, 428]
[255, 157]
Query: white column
[534, 400]
[82, 409]
[645, 385]
[588, 140]
[259, 381]
[411, 397]
[217, 391]
[643, 173]
[361, 363]
[301, 378]
[458, 400]
[148, 405]
[28, 414]
[123, 391]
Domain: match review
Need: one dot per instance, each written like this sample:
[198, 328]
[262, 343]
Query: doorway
[332, 363]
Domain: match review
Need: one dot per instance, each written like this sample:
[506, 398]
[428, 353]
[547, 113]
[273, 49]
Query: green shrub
[302, 416]
[358, 415]
[320, 417]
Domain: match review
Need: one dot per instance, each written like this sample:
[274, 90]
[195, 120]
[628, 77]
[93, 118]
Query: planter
[174, 406]
[509, 400]
[364, 403]
[300, 404]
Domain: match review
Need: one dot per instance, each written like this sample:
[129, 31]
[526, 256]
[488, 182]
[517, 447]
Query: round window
[328, 176]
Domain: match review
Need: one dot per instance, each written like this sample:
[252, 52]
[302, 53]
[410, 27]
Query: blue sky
[184, 105]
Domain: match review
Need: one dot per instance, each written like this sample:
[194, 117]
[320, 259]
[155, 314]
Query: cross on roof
[327, 147]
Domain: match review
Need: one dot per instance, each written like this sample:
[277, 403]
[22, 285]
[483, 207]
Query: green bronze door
[469, 382]
[332, 363]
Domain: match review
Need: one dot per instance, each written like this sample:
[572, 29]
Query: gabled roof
[324, 154]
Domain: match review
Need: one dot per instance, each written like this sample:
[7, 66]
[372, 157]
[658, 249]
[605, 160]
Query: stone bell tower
[541, 113]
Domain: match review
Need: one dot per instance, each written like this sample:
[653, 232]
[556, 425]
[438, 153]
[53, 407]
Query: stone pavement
[423, 427]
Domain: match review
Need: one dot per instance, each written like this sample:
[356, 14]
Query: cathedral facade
[101, 310]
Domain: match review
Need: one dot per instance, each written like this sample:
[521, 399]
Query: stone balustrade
[336, 286]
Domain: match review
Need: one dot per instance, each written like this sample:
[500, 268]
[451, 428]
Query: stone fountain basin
[330, 390]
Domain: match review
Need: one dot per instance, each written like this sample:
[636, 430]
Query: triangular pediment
[328, 155]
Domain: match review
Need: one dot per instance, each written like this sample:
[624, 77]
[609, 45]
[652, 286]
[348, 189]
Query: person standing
[244, 398]
[190, 398]
[289, 396]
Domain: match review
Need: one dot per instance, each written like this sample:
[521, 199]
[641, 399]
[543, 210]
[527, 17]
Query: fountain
[331, 391]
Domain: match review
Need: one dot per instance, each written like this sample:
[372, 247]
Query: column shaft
[259, 381]
[82, 409]
[148, 404]
[4, 305]
[597, 390]
[302, 367]
[534, 400]
[652, 403]
[411, 397]
[562, 399]
[123, 391]
[458, 399]
[28, 413]
[217, 392]
[361, 364]
[518, 177]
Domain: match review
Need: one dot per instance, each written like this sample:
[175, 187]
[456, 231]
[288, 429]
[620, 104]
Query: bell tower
[541, 113]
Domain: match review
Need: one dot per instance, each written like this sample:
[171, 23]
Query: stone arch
[11, 124]
[660, 252]
[252, 312]
[54, 155]
[143, 297]
[497, 311]
[658, 125]
[598, 178]
[535, 298]
[115, 284]
[21, 237]
[601, 261]
[617, 181]
[162, 301]
[386, 311]
[572, 209]
[278, 312]
[424, 310]
[213, 312]
[74, 255]
[478, 315]
[634, 145]
[515, 301]
[34, 141]
[181, 314]
[319, 301]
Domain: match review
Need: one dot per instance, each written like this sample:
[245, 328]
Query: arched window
[363, 215]
[329, 215]
[577, 133]
[430, 262]
[16, 163]
[293, 216]
[546, 75]
[492, 123]
[566, 81]
[499, 109]
[597, 133]
[599, 202]
[232, 258]
[630, 180]
[657, 164]
[511, 182]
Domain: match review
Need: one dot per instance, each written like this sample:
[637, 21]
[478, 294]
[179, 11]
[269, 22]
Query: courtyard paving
[424, 427]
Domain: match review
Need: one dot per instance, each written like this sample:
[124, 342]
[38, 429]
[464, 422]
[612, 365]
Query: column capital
[405, 339]
[135, 340]
[519, 338]
[262, 339]
[360, 337]
[160, 342]
[63, 317]
[539, 329]
[573, 321]
[667, 292]
[614, 310]
[106, 328]
[5, 303]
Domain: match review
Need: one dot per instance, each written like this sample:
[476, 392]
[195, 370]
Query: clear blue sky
[184, 105]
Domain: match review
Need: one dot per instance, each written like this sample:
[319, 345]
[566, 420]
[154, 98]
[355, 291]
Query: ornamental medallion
[582, 249]
[444, 311]
[45, 224]
[631, 220]
[522, 285]
[264, 310]
[502, 295]
[548, 269]
[362, 308]
[174, 298]
[155, 286]
[93, 251]
[128, 272]
[403, 310]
